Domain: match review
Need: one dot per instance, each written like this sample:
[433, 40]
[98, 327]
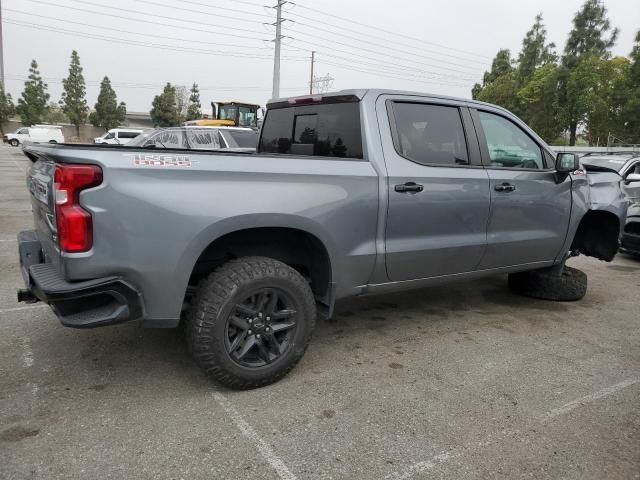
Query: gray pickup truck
[357, 192]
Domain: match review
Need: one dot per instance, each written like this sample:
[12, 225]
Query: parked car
[191, 137]
[118, 136]
[359, 192]
[37, 133]
[627, 165]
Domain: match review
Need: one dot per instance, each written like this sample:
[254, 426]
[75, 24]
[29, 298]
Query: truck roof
[361, 92]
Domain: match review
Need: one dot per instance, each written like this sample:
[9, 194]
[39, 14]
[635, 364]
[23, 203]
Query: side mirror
[567, 162]
[632, 177]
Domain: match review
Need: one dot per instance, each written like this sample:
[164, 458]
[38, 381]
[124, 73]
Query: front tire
[14, 142]
[250, 322]
[567, 286]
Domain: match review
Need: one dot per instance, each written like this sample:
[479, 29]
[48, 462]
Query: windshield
[241, 138]
[228, 112]
[248, 117]
[243, 116]
[190, 138]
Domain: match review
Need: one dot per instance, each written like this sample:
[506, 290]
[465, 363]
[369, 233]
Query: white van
[37, 133]
[118, 136]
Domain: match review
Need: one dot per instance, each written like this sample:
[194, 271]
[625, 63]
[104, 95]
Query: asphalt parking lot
[466, 381]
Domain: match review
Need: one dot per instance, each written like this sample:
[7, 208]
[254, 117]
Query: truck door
[529, 210]
[438, 190]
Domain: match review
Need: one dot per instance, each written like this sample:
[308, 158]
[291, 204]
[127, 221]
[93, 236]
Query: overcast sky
[432, 46]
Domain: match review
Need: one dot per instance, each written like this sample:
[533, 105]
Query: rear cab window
[315, 130]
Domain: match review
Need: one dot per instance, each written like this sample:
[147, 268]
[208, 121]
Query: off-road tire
[568, 286]
[14, 142]
[215, 297]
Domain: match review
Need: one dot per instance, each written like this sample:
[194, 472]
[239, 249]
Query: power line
[166, 17]
[393, 67]
[252, 31]
[218, 7]
[149, 86]
[390, 32]
[377, 52]
[191, 10]
[386, 46]
[382, 64]
[395, 77]
[64, 20]
[145, 44]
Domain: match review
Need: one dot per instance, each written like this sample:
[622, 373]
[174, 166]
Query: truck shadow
[123, 356]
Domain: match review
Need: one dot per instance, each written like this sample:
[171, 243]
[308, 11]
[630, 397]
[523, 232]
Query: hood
[612, 165]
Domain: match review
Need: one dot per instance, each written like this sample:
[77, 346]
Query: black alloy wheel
[260, 328]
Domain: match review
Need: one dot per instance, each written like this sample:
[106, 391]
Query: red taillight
[75, 228]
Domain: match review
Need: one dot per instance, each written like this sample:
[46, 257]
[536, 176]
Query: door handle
[505, 187]
[408, 187]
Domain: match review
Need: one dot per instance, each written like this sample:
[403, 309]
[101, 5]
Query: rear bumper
[85, 304]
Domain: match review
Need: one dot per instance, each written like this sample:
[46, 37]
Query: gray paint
[152, 223]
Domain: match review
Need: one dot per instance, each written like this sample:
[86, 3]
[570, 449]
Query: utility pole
[275, 93]
[313, 58]
[1, 50]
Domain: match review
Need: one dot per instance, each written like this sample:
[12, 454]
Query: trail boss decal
[150, 160]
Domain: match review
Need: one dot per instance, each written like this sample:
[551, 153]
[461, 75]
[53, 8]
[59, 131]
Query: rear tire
[568, 286]
[250, 322]
[13, 142]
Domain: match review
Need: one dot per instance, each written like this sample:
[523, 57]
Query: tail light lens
[75, 227]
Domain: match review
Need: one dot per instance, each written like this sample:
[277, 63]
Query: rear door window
[322, 130]
[430, 134]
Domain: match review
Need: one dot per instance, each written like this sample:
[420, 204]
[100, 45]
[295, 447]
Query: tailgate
[40, 178]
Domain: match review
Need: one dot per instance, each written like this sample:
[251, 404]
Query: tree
[535, 52]
[195, 108]
[182, 100]
[7, 108]
[539, 99]
[54, 114]
[501, 91]
[164, 111]
[74, 103]
[605, 114]
[588, 38]
[500, 67]
[108, 114]
[631, 110]
[33, 104]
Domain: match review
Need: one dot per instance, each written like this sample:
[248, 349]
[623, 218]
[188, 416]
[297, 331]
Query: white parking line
[247, 430]
[591, 398]
[17, 309]
[27, 355]
[424, 466]
[433, 462]
[8, 239]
